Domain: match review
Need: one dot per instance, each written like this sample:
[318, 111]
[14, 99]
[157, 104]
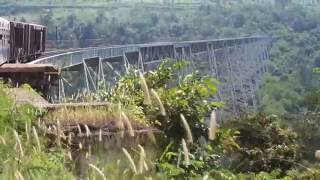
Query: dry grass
[91, 116]
[80, 115]
[98, 121]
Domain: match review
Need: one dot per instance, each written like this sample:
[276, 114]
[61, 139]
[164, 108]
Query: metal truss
[237, 63]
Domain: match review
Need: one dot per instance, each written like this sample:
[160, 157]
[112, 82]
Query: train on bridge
[21, 42]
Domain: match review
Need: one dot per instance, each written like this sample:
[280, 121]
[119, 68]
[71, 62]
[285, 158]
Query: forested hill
[120, 25]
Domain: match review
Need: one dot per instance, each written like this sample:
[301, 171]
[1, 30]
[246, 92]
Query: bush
[265, 145]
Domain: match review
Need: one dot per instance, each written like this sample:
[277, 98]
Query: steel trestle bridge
[238, 63]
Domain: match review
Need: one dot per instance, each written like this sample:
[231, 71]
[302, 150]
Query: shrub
[265, 145]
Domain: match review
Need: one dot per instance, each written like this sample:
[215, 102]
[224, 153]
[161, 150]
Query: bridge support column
[230, 77]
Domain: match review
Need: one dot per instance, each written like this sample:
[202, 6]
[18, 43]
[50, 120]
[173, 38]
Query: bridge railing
[71, 58]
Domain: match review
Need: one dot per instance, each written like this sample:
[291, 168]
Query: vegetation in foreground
[252, 147]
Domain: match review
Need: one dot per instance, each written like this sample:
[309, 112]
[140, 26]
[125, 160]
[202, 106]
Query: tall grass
[132, 165]
[100, 135]
[27, 131]
[2, 140]
[18, 175]
[127, 124]
[36, 137]
[98, 171]
[79, 129]
[213, 126]
[142, 159]
[186, 128]
[88, 133]
[185, 153]
[16, 135]
[144, 86]
[159, 102]
[58, 133]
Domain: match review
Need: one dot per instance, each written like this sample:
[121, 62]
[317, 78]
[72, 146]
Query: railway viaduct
[238, 64]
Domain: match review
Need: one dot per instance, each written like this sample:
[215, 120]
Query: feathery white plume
[58, 133]
[213, 126]
[98, 171]
[70, 139]
[160, 104]
[133, 166]
[100, 135]
[3, 141]
[128, 124]
[35, 134]
[79, 129]
[185, 152]
[186, 128]
[142, 159]
[70, 156]
[317, 154]
[87, 130]
[18, 175]
[145, 89]
[27, 131]
[16, 135]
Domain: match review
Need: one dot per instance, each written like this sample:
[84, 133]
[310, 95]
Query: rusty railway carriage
[21, 42]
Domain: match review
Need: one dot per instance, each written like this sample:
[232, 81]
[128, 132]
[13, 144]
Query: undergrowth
[194, 145]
